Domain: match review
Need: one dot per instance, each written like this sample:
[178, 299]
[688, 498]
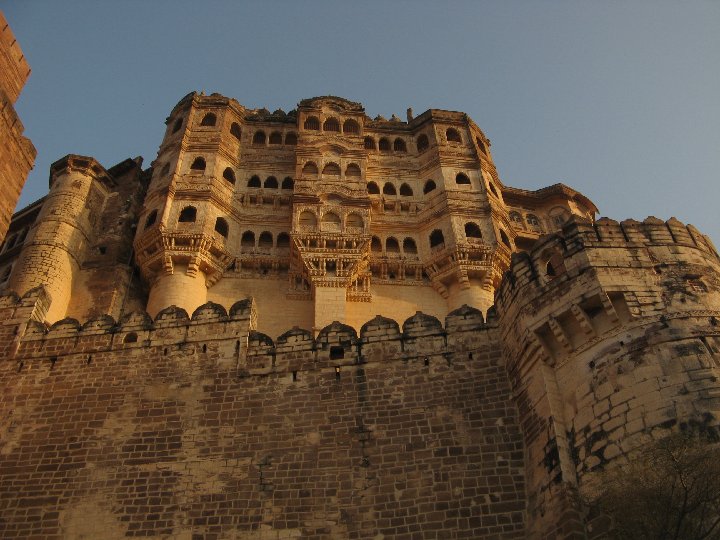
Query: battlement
[583, 245]
[211, 326]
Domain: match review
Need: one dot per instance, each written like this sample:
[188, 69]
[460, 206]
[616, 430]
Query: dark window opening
[188, 214]
[423, 143]
[436, 238]
[229, 175]
[209, 120]
[198, 164]
[271, 183]
[221, 227]
[259, 138]
[462, 179]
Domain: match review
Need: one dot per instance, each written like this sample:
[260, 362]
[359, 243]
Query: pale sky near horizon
[619, 100]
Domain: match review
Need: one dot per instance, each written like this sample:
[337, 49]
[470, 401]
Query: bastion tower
[331, 214]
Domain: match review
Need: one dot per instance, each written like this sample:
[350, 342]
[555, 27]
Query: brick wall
[207, 427]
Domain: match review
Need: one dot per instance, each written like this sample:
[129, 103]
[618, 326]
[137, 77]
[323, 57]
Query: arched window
[188, 214]
[331, 124]
[291, 139]
[399, 145]
[177, 126]
[287, 183]
[259, 138]
[283, 240]
[375, 245]
[504, 239]
[151, 219]
[229, 175]
[331, 169]
[221, 227]
[351, 126]
[472, 230]
[352, 170]
[384, 145]
[462, 179]
[422, 143]
[130, 337]
[354, 220]
[254, 181]
[165, 170]
[392, 246]
[331, 218]
[515, 217]
[369, 143]
[559, 216]
[247, 242]
[389, 189]
[275, 138]
[198, 164]
[373, 188]
[436, 238]
[309, 169]
[307, 219]
[406, 191]
[209, 119]
[453, 135]
[311, 122]
[429, 186]
[265, 240]
[409, 246]
[235, 130]
[270, 183]
[10, 242]
[533, 221]
[481, 145]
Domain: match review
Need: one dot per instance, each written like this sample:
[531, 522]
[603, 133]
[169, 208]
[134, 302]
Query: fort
[316, 324]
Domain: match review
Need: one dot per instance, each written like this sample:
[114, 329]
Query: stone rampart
[611, 335]
[200, 426]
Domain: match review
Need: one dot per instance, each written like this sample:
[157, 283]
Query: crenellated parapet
[232, 334]
[611, 336]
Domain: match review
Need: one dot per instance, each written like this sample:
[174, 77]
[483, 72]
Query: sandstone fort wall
[203, 426]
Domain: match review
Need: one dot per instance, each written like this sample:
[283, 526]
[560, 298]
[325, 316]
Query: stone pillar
[178, 288]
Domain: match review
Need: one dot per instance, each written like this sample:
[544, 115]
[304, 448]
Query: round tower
[182, 239]
[55, 246]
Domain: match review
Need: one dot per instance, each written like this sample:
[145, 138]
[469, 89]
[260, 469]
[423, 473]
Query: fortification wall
[611, 334]
[205, 427]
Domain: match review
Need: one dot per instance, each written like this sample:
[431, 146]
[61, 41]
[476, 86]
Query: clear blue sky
[620, 100]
